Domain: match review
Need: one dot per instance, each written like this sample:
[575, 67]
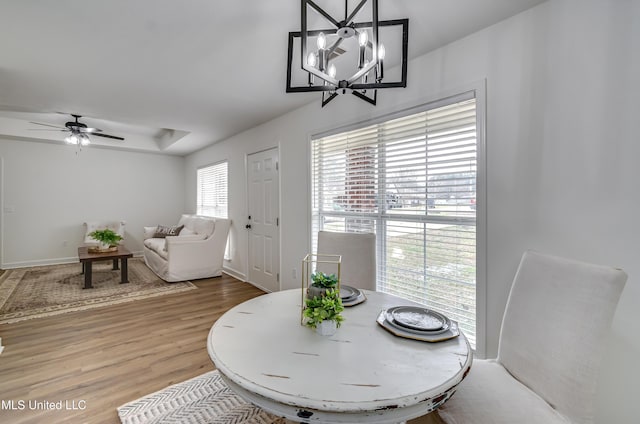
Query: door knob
[248, 226]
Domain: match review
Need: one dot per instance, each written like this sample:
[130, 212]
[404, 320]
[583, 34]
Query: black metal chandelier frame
[345, 28]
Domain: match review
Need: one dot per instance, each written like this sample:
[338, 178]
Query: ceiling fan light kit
[78, 132]
[78, 138]
[327, 53]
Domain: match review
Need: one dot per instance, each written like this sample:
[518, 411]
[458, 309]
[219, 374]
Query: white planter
[327, 328]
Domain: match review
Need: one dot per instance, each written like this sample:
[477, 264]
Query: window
[212, 190]
[411, 181]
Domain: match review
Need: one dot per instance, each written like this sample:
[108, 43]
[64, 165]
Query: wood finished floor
[112, 355]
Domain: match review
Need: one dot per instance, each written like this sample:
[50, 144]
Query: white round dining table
[361, 374]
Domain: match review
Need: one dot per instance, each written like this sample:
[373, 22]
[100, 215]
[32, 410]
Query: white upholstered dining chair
[358, 251]
[553, 331]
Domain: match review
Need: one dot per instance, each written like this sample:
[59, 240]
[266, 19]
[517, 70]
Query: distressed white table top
[262, 349]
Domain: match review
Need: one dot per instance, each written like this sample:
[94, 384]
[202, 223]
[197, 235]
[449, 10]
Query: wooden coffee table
[87, 259]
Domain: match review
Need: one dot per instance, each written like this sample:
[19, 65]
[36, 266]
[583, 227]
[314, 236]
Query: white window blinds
[212, 190]
[412, 182]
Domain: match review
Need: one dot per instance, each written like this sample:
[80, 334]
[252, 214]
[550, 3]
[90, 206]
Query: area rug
[205, 399]
[43, 291]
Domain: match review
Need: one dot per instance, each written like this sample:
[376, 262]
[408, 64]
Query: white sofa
[196, 252]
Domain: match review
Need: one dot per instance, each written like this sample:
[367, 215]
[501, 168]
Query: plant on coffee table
[106, 237]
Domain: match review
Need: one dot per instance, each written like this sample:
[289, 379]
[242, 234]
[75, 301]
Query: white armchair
[196, 252]
[91, 226]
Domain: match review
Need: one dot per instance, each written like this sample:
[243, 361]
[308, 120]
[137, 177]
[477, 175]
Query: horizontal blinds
[212, 190]
[412, 181]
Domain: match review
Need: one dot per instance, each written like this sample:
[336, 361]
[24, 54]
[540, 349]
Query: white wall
[562, 147]
[52, 191]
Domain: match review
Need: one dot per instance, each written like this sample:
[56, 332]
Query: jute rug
[44, 291]
[205, 399]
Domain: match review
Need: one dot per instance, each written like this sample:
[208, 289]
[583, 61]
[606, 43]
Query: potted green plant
[321, 282]
[323, 312]
[107, 238]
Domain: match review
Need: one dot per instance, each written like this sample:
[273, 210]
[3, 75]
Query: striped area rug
[205, 399]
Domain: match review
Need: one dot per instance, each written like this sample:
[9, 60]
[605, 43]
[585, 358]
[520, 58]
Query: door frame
[246, 214]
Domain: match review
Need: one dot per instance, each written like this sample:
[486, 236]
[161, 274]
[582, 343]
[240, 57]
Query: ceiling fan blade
[46, 129]
[108, 136]
[47, 125]
[90, 130]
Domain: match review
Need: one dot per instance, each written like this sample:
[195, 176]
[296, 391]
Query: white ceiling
[205, 68]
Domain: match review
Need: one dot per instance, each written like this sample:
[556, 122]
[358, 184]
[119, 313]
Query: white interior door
[263, 219]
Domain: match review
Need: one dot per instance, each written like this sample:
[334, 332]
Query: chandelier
[341, 55]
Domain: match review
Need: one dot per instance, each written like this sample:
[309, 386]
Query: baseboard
[56, 261]
[234, 273]
[259, 287]
[242, 277]
[40, 262]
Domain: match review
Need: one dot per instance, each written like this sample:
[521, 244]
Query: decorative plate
[353, 300]
[391, 321]
[450, 333]
[348, 293]
[417, 318]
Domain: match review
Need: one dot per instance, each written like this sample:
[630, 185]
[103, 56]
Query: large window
[212, 190]
[412, 182]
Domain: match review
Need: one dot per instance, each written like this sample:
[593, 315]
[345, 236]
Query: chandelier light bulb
[311, 60]
[381, 52]
[332, 70]
[322, 41]
[84, 140]
[363, 38]
[380, 67]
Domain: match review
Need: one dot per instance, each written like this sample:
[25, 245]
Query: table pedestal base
[305, 415]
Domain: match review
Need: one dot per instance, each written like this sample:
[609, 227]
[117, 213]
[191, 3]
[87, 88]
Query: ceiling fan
[78, 132]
